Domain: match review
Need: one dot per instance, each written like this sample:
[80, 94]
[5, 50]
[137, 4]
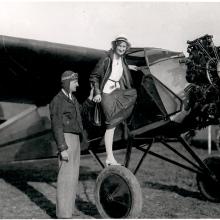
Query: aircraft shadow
[87, 208]
[176, 189]
[20, 178]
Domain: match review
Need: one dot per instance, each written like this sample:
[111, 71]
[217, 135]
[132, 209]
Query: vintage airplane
[176, 95]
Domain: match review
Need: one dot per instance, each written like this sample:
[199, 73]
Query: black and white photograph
[109, 109]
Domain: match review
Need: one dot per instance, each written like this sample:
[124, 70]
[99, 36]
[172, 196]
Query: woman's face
[121, 48]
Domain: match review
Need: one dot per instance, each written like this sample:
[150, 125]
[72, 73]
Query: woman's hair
[115, 43]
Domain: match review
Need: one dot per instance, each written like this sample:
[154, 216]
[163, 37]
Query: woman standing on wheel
[113, 88]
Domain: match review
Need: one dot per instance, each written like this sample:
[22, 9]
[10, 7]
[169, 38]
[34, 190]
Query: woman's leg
[109, 135]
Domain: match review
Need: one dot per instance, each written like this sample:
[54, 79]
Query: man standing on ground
[67, 128]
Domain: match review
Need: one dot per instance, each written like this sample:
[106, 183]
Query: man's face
[121, 48]
[73, 85]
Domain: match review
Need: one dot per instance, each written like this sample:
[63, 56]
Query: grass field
[28, 189]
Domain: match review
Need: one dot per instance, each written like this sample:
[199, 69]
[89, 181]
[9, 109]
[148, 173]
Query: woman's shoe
[112, 163]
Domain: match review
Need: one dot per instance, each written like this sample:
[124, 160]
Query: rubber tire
[208, 188]
[130, 185]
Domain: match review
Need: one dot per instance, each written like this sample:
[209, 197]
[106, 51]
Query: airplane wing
[31, 69]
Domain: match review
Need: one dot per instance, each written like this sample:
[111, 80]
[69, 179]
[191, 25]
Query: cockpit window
[155, 55]
[136, 58]
[137, 54]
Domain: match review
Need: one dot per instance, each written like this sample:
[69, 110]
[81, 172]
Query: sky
[95, 24]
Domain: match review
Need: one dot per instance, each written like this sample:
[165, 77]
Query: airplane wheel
[209, 188]
[118, 193]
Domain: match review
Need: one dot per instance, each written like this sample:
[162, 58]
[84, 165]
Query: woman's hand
[91, 93]
[133, 67]
[97, 98]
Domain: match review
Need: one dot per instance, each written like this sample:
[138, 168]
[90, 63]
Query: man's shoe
[76, 213]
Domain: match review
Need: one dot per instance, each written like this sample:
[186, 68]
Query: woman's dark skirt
[118, 105]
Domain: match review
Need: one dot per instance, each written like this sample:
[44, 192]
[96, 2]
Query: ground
[27, 190]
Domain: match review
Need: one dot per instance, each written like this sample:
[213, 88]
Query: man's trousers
[67, 180]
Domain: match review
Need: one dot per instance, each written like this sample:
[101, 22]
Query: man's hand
[64, 155]
[97, 98]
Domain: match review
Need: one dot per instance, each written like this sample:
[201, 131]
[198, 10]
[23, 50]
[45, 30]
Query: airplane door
[171, 102]
[156, 101]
